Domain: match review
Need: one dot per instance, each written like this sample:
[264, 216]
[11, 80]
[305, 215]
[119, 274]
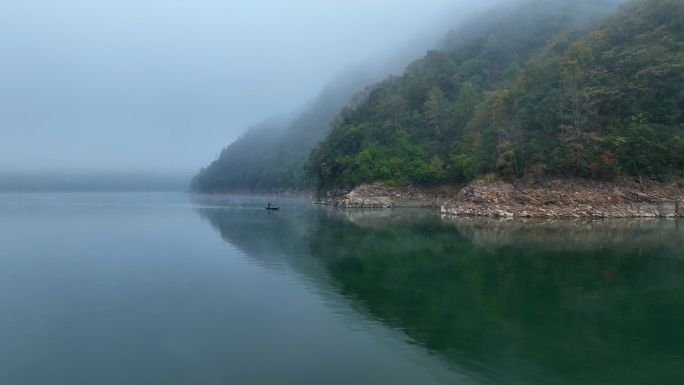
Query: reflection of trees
[520, 302]
[591, 302]
[570, 235]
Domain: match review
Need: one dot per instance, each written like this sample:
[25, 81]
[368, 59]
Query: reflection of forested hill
[540, 302]
[527, 312]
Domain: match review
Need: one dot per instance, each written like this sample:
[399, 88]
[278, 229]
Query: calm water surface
[152, 288]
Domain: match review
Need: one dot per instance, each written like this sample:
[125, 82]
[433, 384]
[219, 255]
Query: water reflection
[547, 302]
[272, 240]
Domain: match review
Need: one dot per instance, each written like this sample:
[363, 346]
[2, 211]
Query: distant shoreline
[525, 198]
[105, 182]
[284, 193]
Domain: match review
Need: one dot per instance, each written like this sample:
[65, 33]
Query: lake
[171, 288]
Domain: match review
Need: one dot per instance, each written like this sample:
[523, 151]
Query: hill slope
[525, 96]
[272, 153]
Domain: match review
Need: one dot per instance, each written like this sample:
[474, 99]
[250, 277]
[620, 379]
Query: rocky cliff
[568, 198]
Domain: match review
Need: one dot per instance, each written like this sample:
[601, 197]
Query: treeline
[531, 94]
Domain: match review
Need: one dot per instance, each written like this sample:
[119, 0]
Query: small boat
[272, 208]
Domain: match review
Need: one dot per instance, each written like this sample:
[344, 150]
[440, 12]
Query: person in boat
[269, 205]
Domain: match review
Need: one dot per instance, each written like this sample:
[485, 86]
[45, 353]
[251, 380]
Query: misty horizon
[94, 182]
[132, 88]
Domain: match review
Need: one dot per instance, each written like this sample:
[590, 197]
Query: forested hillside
[548, 89]
[272, 153]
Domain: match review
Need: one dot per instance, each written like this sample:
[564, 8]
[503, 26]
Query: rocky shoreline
[552, 198]
[377, 195]
[547, 198]
[568, 198]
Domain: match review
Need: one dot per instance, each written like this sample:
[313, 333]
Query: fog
[161, 86]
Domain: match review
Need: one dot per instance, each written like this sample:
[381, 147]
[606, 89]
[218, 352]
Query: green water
[177, 289]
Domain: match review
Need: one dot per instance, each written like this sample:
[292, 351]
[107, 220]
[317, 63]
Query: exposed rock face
[667, 208]
[554, 198]
[376, 195]
[568, 198]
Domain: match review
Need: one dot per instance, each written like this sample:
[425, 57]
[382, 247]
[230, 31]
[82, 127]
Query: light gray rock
[667, 208]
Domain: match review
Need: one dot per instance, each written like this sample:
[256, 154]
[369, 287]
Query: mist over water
[18, 183]
[109, 274]
[169, 288]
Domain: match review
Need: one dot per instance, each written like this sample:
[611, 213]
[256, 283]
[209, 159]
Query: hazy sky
[161, 86]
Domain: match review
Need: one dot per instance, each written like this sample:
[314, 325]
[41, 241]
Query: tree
[464, 109]
[437, 112]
